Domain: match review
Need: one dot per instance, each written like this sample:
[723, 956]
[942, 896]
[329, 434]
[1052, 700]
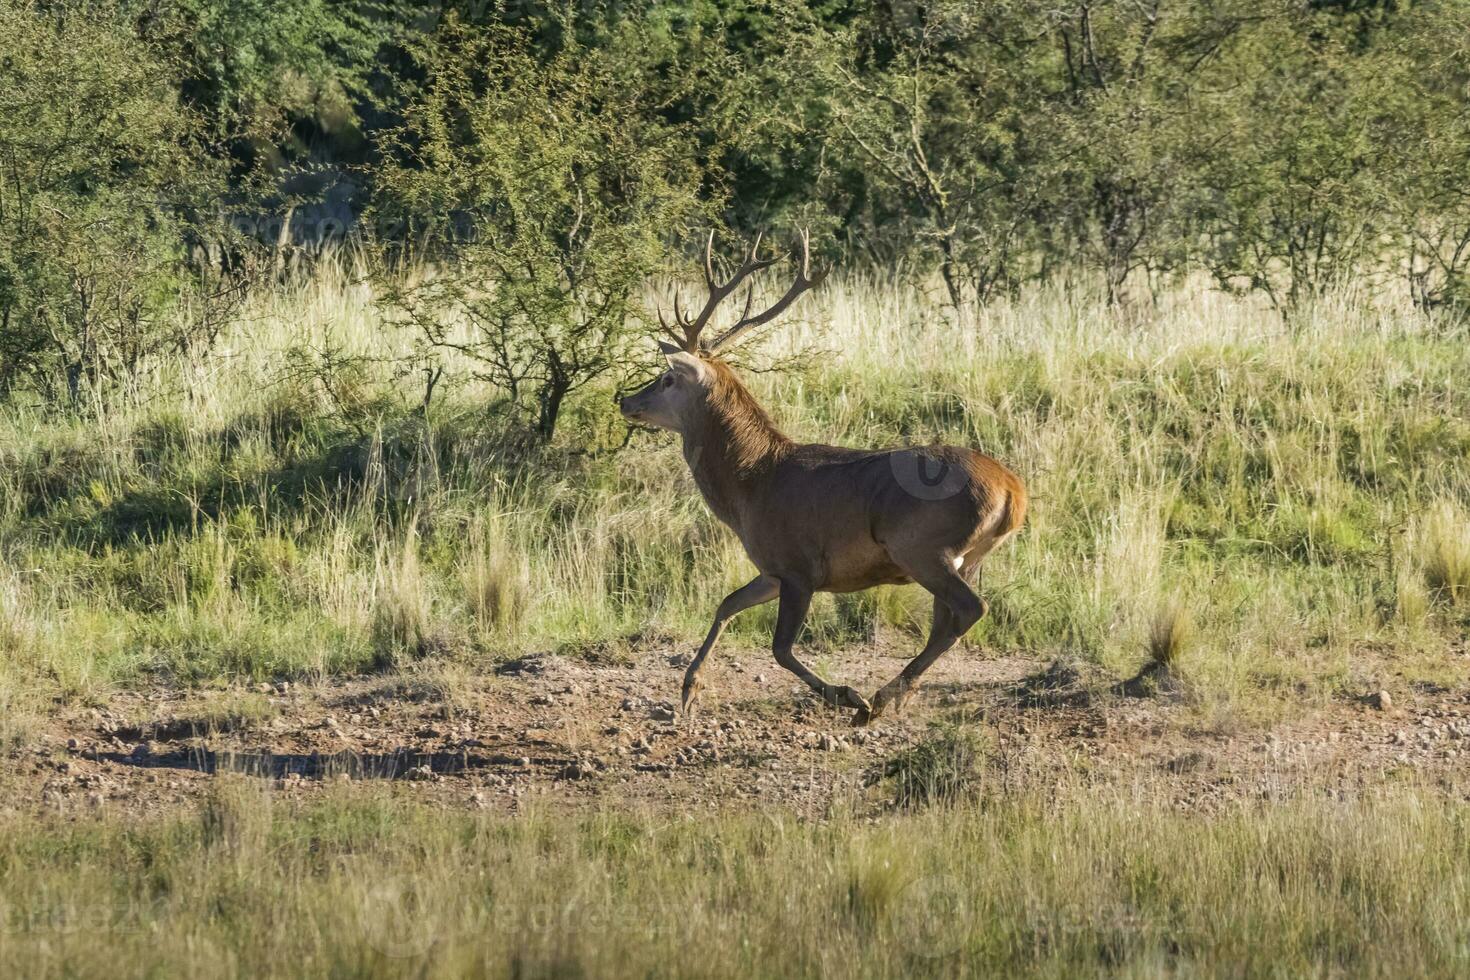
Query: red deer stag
[817, 518]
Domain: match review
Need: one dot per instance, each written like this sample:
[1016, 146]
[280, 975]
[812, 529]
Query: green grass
[1301, 488]
[1256, 503]
[1067, 883]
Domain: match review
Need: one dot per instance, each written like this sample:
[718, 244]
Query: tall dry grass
[1065, 883]
[279, 509]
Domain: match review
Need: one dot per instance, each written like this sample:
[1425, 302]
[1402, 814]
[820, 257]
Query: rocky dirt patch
[576, 733]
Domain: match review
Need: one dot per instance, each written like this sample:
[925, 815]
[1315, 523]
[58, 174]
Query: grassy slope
[1301, 492]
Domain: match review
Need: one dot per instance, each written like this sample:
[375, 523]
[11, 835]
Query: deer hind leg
[956, 609]
[795, 602]
[760, 589]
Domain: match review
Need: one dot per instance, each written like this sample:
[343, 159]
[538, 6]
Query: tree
[1122, 129]
[930, 104]
[102, 178]
[544, 190]
[1423, 78]
[1290, 167]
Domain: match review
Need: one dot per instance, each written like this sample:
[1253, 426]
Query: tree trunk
[949, 269]
[549, 399]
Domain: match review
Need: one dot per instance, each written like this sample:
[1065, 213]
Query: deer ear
[687, 366]
[669, 350]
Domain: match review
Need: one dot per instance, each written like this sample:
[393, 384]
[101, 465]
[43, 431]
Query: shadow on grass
[400, 764]
[192, 479]
[1061, 684]
[177, 729]
[333, 472]
[1068, 683]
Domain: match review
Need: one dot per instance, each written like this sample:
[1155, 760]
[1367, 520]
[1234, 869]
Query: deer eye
[668, 379]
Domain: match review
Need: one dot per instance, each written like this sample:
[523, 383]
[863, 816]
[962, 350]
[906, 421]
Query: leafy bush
[105, 183]
[547, 187]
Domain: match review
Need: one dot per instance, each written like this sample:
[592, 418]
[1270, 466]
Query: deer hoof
[847, 697]
[880, 705]
[691, 690]
[885, 698]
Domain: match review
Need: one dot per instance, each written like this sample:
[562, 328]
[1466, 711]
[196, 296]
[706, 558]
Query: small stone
[832, 743]
[1380, 700]
[760, 678]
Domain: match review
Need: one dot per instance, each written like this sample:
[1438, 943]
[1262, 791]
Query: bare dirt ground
[578, 732]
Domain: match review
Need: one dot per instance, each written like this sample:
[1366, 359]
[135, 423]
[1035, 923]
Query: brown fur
[734, 443]
[817, 518]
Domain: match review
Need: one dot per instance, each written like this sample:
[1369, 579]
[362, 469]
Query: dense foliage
[551, 152]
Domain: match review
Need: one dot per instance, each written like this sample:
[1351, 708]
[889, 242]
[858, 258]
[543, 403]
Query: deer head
[671, 397]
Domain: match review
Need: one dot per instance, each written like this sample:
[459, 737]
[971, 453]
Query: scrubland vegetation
[312, 318]
[1278, 507]
[1297, 490]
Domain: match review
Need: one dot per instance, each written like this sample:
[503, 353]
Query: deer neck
[731, 450]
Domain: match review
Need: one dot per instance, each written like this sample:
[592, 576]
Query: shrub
[549, 186]
[945, 767]
[105, 182]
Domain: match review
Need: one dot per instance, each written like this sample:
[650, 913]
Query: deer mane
[735, 421]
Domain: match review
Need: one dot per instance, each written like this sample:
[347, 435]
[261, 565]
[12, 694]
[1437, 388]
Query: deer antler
[718, 291]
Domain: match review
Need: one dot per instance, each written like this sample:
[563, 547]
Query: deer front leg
[760, 589]
[795, 602]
